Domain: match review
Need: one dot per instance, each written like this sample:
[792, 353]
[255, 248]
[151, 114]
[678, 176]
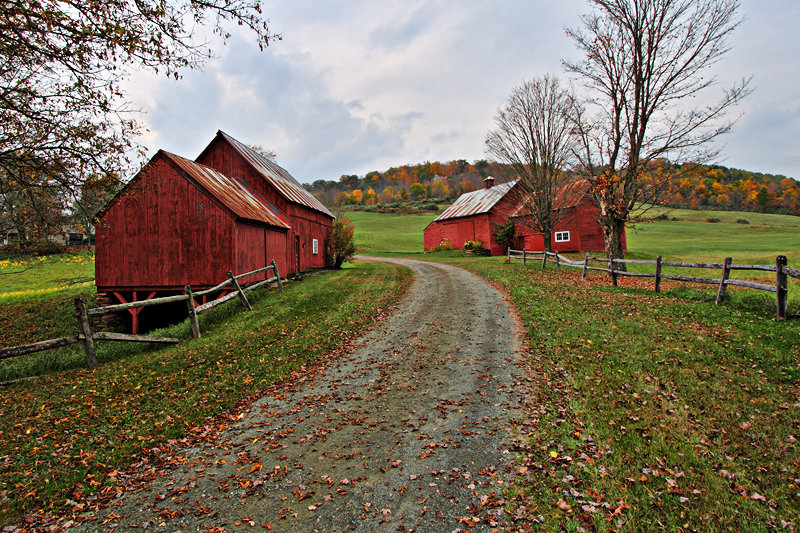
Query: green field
[378, 234]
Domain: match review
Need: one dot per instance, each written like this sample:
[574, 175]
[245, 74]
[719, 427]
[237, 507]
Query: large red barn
[182, 222]
[474, 216]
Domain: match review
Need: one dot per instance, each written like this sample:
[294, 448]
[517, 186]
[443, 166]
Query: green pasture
[380, 234]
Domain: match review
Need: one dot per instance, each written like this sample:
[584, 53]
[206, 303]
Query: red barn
[474, 216]
[309, 221]
[577, 231]
[177, 223]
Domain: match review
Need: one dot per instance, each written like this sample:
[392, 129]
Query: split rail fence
[780, 268]
[87, 336]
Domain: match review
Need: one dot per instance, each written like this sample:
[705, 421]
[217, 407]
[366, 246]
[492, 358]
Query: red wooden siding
[162, 232]
[585, 232]
[306, 223]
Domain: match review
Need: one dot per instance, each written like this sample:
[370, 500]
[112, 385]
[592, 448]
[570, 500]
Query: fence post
[192, 312]
[277, 275]
[508, 252]
[83, 327]
[781, 286]
[544, 259]
[524, 257]
[585, 266]
[658, 274]
[611, 269]
[558, 264]
[723, 283]
[238, 288]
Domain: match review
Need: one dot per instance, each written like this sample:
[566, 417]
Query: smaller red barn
[474, 216]
[577, 231]
[180, 223]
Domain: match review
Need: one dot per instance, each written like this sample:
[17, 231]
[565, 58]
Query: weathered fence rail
[781, 269]
[87, 336]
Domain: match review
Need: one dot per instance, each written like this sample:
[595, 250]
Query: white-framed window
[562, 236]
[314, 246]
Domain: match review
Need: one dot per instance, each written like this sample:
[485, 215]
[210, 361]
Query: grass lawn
[380, 234]
[651, 411]
[64, 435]
[45, 274]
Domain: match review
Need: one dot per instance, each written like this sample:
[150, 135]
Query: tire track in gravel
[403, 434]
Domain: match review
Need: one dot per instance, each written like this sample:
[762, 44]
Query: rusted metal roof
[278, 176]
[567, 196]
[229, 191]
[476, 202]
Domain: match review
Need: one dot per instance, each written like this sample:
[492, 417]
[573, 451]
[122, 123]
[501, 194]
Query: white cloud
[357, 86]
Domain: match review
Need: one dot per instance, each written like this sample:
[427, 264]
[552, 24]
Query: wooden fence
[87, 336]
[780, 268]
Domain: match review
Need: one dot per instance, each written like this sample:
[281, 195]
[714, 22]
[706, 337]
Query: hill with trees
[689, 186]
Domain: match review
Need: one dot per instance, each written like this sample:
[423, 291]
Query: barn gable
[309, 221]
[277, 177]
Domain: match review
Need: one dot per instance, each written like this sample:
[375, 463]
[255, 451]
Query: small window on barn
[315, 246]
[562, 236]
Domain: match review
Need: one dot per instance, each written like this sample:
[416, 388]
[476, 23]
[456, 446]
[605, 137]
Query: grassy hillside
[389, 234]
[694, 235]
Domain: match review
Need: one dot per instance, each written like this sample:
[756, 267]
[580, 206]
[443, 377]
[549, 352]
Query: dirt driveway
[403, 434]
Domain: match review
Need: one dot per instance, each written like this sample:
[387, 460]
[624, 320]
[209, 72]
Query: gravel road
[405, 433]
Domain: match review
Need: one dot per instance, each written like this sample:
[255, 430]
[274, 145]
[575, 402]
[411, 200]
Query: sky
[355, 86]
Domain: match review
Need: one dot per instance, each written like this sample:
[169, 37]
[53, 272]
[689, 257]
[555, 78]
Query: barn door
[297, 252]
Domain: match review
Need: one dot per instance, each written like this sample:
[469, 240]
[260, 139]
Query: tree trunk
[612, 235]
[547, 236]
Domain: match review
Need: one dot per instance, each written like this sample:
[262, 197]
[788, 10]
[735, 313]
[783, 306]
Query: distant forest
[689, 185]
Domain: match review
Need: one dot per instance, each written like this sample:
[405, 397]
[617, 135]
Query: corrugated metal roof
[229, 191]
[567, 196]
[476, 202]
[279, 177]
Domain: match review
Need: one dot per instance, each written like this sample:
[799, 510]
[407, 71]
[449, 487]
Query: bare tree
[644, 60]
[63, 116]
[534, 137]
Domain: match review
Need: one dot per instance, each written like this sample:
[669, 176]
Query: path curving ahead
[403, 434]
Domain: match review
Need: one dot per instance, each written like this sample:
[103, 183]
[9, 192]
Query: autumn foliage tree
[63, 112]
[643, 62]
[341, 245]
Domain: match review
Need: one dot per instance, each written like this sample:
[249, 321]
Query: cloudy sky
[355, 86]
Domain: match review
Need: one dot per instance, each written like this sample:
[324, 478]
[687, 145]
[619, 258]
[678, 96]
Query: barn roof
[567, 196]
[277, 176]
[228, 191]
[476, 202]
